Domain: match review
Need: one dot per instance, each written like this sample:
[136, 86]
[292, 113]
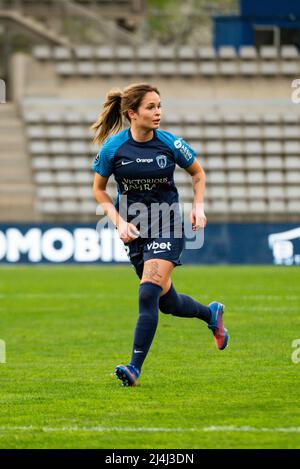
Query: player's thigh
[158, 271]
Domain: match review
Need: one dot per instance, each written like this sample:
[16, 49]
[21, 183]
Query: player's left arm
[198, 218]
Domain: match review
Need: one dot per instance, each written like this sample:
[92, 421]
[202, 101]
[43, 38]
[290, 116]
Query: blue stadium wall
[237, 31]
[270, 8]
[224, 243]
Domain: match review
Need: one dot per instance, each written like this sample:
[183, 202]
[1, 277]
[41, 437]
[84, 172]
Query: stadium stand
[231, 104]
[17, 188]
[86, 61]
[248, 167]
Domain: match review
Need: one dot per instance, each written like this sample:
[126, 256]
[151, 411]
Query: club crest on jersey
[161, 161]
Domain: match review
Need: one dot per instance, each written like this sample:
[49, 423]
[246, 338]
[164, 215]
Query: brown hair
[116, 107]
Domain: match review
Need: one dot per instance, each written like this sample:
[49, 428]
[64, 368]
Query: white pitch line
[231, 428]
[271, 297]
[105, 295]
[75, 296]
[52, 295]
[101, 429]
[269, 308]
[97, 429]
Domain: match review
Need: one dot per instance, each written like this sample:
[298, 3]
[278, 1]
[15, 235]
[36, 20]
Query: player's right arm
[103, 167]
[104, 199]
[127, 231]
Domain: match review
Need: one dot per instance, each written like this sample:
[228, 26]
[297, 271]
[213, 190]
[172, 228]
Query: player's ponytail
[116, 108]
[110, 119]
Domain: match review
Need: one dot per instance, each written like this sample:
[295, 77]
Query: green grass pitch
[65, 329]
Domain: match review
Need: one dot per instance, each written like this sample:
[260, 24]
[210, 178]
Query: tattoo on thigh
[151, 272]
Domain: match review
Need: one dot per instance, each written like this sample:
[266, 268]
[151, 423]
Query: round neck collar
[141, 143]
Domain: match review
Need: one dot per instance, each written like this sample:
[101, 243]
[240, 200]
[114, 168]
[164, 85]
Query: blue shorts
[143, 249]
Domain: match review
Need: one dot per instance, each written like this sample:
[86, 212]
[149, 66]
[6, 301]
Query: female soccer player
[142, 159]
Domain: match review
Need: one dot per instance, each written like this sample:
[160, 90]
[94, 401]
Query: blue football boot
[216, 325]
[128, 374]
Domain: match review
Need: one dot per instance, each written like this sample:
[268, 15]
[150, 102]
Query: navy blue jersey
[144, 171]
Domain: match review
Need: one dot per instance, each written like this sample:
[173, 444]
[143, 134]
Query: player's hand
[198, 218]
[127, 232]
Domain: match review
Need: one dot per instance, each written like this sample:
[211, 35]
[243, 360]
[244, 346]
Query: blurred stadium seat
[242, 162]
[187, 60]
[229, 104]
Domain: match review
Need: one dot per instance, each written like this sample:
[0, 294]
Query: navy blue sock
[183, 306]
[147, 322]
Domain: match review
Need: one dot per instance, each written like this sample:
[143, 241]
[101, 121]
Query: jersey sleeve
[103, 163]
[184, 154]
